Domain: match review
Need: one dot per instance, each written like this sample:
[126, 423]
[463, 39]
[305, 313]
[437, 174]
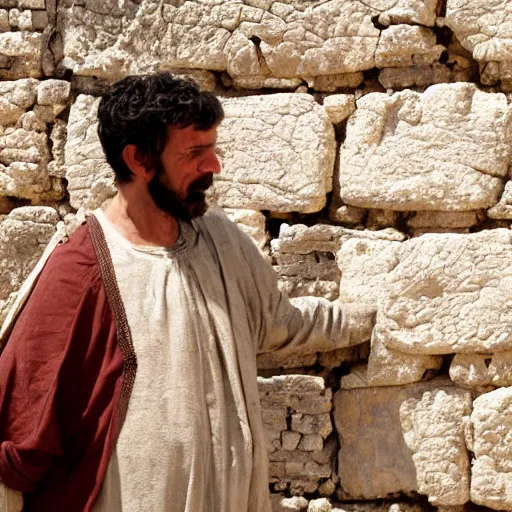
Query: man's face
[185, 171]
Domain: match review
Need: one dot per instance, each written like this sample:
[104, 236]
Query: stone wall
[366, 149]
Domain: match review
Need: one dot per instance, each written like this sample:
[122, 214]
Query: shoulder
[71, 270]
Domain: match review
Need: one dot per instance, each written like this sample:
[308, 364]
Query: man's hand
[359, 320]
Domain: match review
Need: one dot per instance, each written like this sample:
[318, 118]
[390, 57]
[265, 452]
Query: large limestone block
[503, 210]
[20, 55]
[406, 439]
[491, 476]
[435, 428]
[390, 158]
[484, 29]
[249, 40]
[24, 234]
[450, 294]
[90, 178]
[278, 154]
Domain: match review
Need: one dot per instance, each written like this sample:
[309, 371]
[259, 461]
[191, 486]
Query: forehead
[189, 137]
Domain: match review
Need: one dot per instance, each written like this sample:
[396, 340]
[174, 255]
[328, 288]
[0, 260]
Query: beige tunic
[199, 313]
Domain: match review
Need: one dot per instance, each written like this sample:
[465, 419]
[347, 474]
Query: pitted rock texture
[252, 223]
[278, 154]
[491, 476]
[482, 371]
[90, 178]
[450, 294]
[24, 234]
[295, 412]
[434, 427]
[20, 55]
[375, 459]
[25, 157]
[391, 156]
[364, 266]
[249, 39]
[483, 28]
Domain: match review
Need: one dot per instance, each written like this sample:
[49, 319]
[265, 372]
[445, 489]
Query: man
[128, 382]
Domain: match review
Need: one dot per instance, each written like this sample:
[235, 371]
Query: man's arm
[308, 323]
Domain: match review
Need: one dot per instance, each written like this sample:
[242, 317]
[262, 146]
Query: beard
[166, 198]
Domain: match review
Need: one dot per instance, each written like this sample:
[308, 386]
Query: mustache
[198, 187]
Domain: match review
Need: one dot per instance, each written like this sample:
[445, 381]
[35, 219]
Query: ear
[136, 164]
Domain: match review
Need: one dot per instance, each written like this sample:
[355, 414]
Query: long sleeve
[35, 367]
[309, 323]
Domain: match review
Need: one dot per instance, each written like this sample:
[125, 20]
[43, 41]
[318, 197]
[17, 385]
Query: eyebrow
[195, 148]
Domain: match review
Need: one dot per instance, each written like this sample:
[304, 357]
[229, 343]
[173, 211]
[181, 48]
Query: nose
[210, 164]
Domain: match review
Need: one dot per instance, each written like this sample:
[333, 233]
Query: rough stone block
[375, 458]
[312, 424]
[483, 28]
[40, 20]
[365, 265]
[434, 429]
[31, 4]
[339, 107]
[278, 154]
[450, 294]
[320, 505]
[20, 54]
[21, 93]
[90, 178]
[482, 371]
[491, 476]
[24, 156]
[449, 220]
[275, 361]
[423, 76]
[24, 234]
[503, 210]
[262, 40]
[393, 143]
[53, 92]
[420, 50]
[293, 504]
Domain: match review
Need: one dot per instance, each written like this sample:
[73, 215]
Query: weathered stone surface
[449, 220]
[482, 370]
[21, 93]
[260, 40]
[483, 28]
[344, 213]
[285, 142]
[503, 210]
[420, 50]
[21, 54]
[331, 83]
[364, 265]
[450, 294]
[339, 107]
[382, 219]
[320, 505]
[388, 367]
[24, 157]
[434, 430]
[24, 234]
[491, 476]
[52, 92]
[293, 504]
[375, 460]
[275, 361]
[377, 507]
[296, 417]
[390, 158]
[58, 135]
[423, 76]
[90, 178]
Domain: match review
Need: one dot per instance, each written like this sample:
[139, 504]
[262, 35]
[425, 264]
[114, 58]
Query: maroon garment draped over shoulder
[61, 382]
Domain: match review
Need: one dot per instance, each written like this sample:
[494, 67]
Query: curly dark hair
[138, 109]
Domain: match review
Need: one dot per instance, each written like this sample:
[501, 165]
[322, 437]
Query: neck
[140, 221]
